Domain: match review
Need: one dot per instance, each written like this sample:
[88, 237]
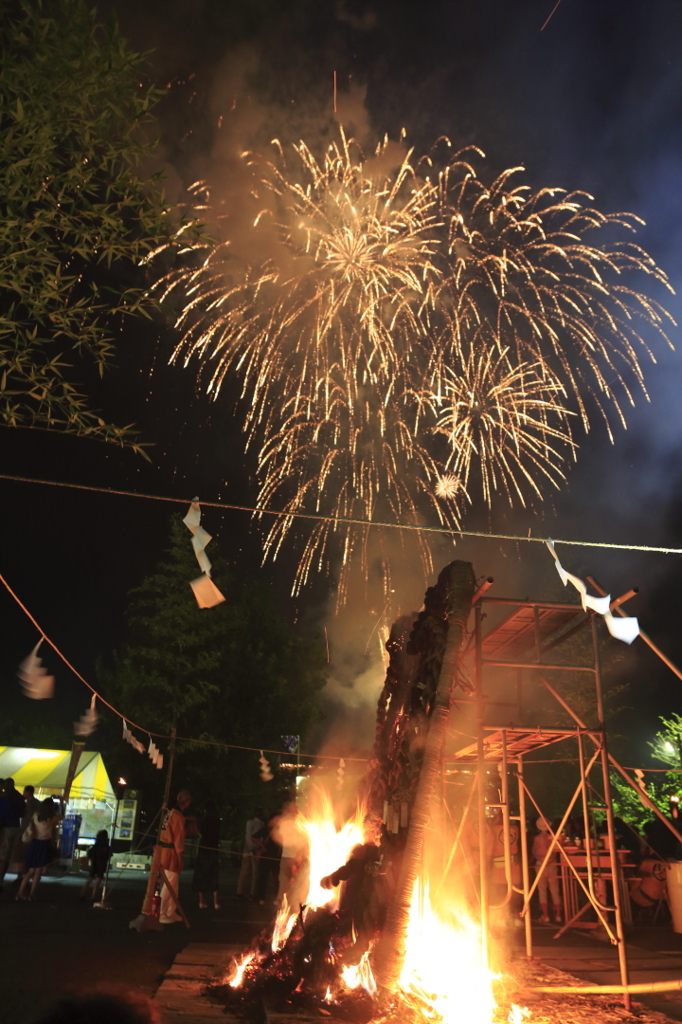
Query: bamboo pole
[389, 952]
[640, 987]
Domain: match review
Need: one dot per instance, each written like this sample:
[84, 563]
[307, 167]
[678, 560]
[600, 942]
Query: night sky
[593, 102]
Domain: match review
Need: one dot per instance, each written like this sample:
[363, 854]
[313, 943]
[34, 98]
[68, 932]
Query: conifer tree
[234, 674]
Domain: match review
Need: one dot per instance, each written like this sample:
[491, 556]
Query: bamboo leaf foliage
[77, 211]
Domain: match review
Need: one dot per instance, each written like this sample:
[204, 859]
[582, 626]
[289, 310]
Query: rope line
[256, 510]
[141, 728]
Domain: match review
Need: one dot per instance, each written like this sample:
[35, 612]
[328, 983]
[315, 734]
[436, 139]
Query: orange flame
[443, 976]
[329, 846]
[239, 968]
[443, 971]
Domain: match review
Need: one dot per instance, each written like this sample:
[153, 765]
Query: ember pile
[306, 974]
[317, 970]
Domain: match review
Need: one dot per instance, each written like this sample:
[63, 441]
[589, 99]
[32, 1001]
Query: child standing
[98, 855]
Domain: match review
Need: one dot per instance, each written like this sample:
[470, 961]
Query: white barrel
[675, 893]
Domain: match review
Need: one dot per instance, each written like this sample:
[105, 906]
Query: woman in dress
[39, 854]
[207, 866]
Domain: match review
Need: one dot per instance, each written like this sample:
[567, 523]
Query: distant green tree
[236, 673]
[660, 787]
[76, 213]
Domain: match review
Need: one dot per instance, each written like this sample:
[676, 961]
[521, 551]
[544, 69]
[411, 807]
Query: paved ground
[59, 944]
[654, 954]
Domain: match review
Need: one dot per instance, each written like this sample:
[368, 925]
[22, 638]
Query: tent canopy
[46, 769]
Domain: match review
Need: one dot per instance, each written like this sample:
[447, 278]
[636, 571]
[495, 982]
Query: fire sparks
[402, 334]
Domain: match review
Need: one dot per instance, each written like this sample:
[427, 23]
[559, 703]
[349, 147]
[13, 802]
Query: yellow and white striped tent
[46, 770]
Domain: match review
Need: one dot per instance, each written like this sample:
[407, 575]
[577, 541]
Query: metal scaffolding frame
[522, 642]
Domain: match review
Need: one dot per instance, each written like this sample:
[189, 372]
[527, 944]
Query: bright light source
[32, 752]
[122, 782]
[669, 747]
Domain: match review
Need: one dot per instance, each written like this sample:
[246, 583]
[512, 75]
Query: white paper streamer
[155, 754]
[206, 593]
[129, 738]
[265, 773]
[35, 681]
[625, 629]
[87, 723]
[340, 772]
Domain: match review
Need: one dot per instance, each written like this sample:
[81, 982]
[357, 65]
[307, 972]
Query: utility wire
[345, 520]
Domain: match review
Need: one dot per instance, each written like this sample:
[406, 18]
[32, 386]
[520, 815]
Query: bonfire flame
[443, 969]
[443, 977]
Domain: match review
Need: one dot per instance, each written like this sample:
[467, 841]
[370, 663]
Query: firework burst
[412, 333]
[506, 420]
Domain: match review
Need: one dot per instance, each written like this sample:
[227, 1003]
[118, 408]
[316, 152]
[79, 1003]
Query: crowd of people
[274, 859]
[27, 829]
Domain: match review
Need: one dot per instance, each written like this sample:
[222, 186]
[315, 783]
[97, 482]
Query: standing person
[172, 843]
[15, 806]
[18, 861]
[39, 854]
[549, 877]
[269, 857]
[98, 855]
[207, 868]
[249, 869]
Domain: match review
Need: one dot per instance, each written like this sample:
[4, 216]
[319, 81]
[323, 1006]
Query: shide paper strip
[87, 723]
[265, 773]
[129, 738]
[155, 754]
[205, 591]
[625, 629]
[35, 681]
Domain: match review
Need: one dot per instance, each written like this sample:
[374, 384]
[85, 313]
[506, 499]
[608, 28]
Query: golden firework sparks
[447, 486]
[412, 332]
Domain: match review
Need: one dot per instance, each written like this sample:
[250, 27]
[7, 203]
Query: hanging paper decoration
[87, 723]
[35, 681]
[155, 754]
[206, 593]
[290, 744]
[639, 775]
[625, 629]
[265, 773]
[129, 738]
[340, 772]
